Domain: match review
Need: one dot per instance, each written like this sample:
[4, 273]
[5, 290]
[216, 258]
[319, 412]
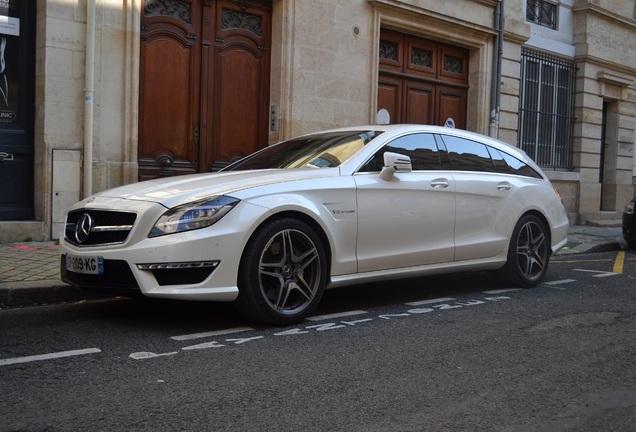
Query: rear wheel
[282, 274]
[528, 254]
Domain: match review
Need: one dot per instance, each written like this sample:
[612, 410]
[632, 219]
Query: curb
[42, 292]
[592, 248]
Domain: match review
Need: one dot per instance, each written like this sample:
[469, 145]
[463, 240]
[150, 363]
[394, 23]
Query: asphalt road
[458, 353]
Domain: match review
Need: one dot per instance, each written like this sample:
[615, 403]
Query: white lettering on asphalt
[326, 326]
[294, 331]
[50, 356]
[440, 304]
[420, 310]
[389, 316]
[206, 345]
[497, 298]
[243, 340]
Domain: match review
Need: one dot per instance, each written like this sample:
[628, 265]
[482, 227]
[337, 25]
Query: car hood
[173, 191]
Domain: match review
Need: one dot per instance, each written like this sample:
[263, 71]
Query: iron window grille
[546, 112]
[542, 12]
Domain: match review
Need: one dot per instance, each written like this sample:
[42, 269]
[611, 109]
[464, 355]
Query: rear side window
[467, 155]
[421, 148]
[508, 164]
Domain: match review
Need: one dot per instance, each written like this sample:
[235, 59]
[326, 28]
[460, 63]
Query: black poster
[9, 60]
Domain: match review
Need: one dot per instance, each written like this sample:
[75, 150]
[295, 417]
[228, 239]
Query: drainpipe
[88, 98]
[495, 95]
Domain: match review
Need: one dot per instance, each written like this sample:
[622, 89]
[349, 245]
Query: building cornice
[591, 8]
[405, 9]
[615, 67]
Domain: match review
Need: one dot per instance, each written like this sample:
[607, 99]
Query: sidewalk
[29, 272]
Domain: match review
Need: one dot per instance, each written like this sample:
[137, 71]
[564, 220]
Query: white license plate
[85, 264]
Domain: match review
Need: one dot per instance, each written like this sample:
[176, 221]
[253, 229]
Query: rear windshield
[324, 150]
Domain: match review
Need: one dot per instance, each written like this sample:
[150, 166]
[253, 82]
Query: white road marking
[50, 356]
[559, 282]
[335, 315]
[147, 355]
[499, 291]
[211, 333]
[599, 273]
[437, 300]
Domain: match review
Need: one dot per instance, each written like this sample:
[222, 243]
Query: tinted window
[421, 148]
[508, 164]
[466, 155]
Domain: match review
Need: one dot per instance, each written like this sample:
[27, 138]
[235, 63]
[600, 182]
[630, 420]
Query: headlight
[194, 215]
[629, 208]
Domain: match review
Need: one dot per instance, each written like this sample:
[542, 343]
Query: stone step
[605, 222]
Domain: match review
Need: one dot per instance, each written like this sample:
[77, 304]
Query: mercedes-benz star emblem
[83, 228]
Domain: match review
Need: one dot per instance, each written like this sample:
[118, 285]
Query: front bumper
[194, 265]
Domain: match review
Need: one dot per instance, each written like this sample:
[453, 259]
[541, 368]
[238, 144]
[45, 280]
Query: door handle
[439, 184]
[5, 156]
[504, 186]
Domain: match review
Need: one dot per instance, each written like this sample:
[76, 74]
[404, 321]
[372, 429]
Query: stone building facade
[555, 77]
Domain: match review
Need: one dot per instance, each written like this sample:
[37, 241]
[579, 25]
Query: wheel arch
[311, 222]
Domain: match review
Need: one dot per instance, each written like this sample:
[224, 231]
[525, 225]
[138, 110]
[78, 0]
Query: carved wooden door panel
[422, 81]
[169, 85]
[237, 122]
[204, 84]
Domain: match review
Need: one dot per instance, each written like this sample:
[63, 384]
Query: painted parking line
[336, 315]
[559, 282]
[503, 290]
[49, 356]
[619, 262]
[431, 301]
[211, 333]
[598, 273]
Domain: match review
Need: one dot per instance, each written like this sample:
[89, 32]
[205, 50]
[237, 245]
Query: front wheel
[528, 253]
[282, 274]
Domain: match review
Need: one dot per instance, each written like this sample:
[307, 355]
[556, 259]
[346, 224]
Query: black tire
[282, 274]
[528, 253]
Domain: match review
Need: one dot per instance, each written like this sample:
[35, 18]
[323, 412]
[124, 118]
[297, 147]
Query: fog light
[178, 265]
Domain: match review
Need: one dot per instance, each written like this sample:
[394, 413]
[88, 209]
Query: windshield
[323, 150]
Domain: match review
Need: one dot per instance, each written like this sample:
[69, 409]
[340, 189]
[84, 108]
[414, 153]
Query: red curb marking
[25, 247]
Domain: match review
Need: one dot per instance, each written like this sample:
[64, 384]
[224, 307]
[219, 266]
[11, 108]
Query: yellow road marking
[618, 263]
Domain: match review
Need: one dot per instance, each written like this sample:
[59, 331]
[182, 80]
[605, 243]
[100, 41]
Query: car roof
[399, 129]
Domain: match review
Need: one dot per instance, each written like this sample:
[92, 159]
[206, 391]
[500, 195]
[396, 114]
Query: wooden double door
[422, 81]
[204, 84]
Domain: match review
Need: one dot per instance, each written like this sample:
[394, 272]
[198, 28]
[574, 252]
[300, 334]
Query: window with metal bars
[542, 12]
[546, 108]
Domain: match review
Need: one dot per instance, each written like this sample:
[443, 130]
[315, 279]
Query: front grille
[117, 278]
[106, 227]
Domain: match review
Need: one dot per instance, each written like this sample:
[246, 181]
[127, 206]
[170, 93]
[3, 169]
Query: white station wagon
[340, 207]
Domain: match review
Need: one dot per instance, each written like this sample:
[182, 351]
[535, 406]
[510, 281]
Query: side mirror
[395, 162]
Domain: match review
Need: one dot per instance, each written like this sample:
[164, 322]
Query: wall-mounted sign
[383, 117]
[9, 25]
[450, 123]
[9, 61]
